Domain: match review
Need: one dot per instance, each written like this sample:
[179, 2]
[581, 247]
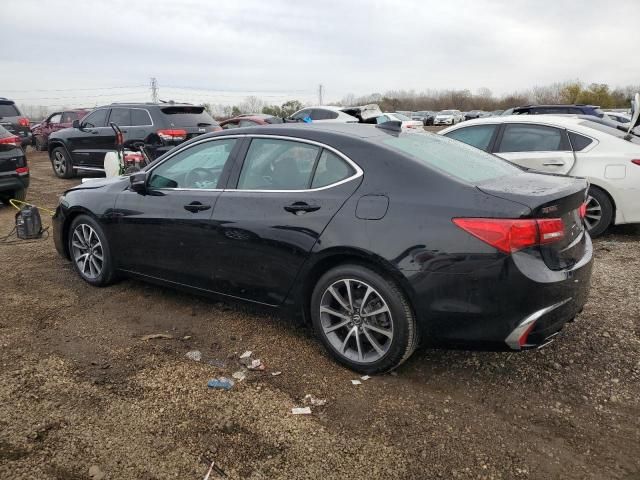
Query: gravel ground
[83, 395]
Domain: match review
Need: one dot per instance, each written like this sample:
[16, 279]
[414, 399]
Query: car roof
[560, 120]
[557, 105]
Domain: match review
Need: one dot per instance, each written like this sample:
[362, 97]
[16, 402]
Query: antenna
[154, 90]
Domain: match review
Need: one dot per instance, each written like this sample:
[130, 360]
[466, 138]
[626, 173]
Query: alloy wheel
[356, 320]
[59, 163]
[87, 251]
[593, 214]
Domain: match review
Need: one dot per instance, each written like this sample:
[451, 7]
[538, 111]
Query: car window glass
[330, 169]
[277, 165]
[319, 114]
[478, 136]
[198, 166]
[69, 117]
[382, 119]
[530, 138]
[140, 117]
[55, 118]
[247, 123]
[302, 114]
[451, 157]
[8, 110]
[120, 116]
[96, 119]
[579, 142]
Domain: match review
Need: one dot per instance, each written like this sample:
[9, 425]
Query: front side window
[278, 165]
[55, 118]
[478, 136]
[199, 166]
[120, 116]
[302, 114]
[229, 125]
[69, 117]
[531, 138]
[96, 119]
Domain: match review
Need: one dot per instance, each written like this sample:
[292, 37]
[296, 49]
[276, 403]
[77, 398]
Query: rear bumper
[500, 300]
[12, 182]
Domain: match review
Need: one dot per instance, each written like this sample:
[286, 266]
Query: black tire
[402, 321]
[61, 163]
[598, 201]
[18, 195]
[39, 144]
[106, 274]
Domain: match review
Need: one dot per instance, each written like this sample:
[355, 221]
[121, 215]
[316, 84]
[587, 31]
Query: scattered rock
[195, 355]
[157, 336]
[301, 410]
[95, 473]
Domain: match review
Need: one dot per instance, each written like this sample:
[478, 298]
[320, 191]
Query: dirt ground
[82, 392]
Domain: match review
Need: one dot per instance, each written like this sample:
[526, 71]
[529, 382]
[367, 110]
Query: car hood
[94, 183]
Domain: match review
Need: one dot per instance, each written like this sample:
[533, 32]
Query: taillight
[637, 162]
[172, 134]
[510, 235]
[15, 141]
[22, 170]
[583, 210]
[23, 122]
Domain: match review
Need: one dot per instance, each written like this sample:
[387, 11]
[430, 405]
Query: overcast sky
[221, 51]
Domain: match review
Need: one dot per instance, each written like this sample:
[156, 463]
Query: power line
[73, 89]
[83, 96]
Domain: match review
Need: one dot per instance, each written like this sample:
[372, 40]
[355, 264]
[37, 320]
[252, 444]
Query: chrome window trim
[358, 171]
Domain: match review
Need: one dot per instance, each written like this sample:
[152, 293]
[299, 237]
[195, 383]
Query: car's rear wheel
[364, 320]
[61, 163]
[599, 212]
[89, 251]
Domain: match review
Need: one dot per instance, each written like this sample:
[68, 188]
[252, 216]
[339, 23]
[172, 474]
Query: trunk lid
[549, 196]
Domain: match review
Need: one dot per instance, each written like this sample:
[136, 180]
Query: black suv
[577, 109]
[160, 126]
[13, 121]
[14, 172]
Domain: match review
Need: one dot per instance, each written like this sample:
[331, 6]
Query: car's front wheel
[364, 320]
[89, 251]
[599, 212]
[61, 163]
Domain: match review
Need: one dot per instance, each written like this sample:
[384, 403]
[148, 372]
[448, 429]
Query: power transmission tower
[320, 88]
[154, 90]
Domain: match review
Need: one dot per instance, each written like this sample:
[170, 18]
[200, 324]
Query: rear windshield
[447, 112]
[8, 110]
[188, 116]
[454, 158]
[611, 131]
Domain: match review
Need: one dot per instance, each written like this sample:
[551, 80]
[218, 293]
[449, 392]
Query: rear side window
[330, 169]
[322, 114]
[278, 165]
[188, 116]
[451, 157]
[69, 117]
[120, 116]
[579, 142]
[8, 110]
[140, 117]
[96, 119]
[478, 136]
[531, 138]
[302, 114]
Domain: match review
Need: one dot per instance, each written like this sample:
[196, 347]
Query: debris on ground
[212, 468]
[239, 375]
[365, 377]
[316, 402]
[356, 382]
[157, 336]
[256, 365]
[246, 354]
[95, 473]
[223, 383]
[187, 337]
[216, 363]
[195, 355]
[275, 374]
[301, 410]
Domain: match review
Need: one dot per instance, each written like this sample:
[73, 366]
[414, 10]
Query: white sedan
[448, 117]
[407, 123]
[607, 157]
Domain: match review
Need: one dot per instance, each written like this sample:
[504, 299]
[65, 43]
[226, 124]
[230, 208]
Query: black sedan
[379, 237]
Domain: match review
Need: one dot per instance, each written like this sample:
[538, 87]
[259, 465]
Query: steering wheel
[201, 178]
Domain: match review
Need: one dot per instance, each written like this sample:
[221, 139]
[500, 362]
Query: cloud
[287, 48]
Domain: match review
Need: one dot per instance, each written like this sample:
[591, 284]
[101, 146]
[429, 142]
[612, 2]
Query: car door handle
[194, 207]
[556, 163]
[300, 208]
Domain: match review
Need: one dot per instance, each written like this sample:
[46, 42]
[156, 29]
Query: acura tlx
[378, 236]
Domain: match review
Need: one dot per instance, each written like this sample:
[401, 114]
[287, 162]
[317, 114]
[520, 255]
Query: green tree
[290, 107]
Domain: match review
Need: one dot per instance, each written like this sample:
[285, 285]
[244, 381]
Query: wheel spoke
[365, 298]
[383, 309]
[382, 331]
[360, 357]
[349, 294]
[374, 343]
[81, 257]
[330, 311]
[95, 265]
[346, 339]
[339, 298]
[335, 326]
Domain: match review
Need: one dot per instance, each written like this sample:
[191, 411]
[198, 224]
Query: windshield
[447, 112]
[8, 110]
[401, 117]
[451, 157]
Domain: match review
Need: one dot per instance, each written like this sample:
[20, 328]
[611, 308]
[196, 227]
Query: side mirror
[76, 124]
[138, 182]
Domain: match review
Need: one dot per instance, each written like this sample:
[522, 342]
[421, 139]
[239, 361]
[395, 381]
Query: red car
[250, 120]
[56, 121]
